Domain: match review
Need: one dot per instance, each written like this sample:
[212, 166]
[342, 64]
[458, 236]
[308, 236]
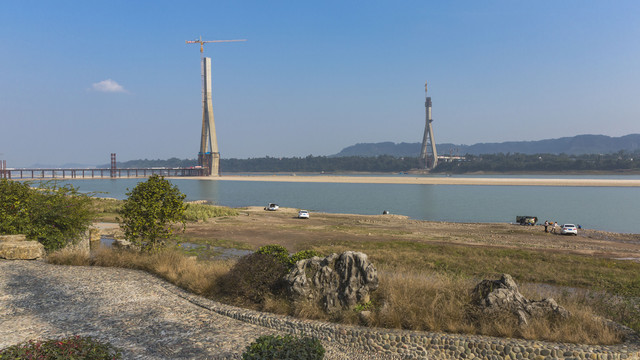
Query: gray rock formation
[495, 296]
[16, 247]
[124, 244]
[336, 282]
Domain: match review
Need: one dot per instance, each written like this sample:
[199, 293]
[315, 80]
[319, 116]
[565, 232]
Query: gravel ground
[131, 309]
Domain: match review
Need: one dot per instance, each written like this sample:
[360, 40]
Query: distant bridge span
[91, 173]
[26, 173]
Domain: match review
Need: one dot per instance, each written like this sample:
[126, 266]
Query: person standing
[546, 226]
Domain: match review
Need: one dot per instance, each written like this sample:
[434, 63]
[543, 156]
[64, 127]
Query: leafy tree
[52, 214]
[59, 215]
[151, 211]
[15, 198]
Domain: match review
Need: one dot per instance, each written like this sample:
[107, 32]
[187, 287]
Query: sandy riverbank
[424, 180]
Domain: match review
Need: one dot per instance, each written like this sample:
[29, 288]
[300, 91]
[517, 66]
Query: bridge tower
[428, 141]
[208, 156]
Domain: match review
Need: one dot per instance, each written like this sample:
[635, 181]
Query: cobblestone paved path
[130, 309]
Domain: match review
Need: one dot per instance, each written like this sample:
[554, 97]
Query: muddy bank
[256, 227]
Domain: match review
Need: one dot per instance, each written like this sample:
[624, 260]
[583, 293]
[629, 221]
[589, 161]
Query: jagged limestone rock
[495, 296]
[336, 281]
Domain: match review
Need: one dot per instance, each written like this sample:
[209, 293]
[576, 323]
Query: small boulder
[123, 244]
[336, 281]
[19, 249]
[13, 238]
[495, 296]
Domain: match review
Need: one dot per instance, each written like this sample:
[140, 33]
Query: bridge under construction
[90, 173]
[208, 156]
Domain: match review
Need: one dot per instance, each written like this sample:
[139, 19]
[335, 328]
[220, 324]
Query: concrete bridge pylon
[428, 141]
[209, 155]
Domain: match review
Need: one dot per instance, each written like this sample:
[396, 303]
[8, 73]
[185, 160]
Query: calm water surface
[603, 208]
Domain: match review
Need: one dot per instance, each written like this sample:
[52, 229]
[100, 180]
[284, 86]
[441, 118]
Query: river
[603, 208]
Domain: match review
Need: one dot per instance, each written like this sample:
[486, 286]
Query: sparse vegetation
[195, 212]
[74, 347]
[108, 209]
[284, 348]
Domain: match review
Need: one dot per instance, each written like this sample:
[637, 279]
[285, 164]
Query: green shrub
[282, 254]
[150, 212]
[277, 251]
[195, 212]
[71, 348]
[286, 347]
[254, 277]
[52, 214]
[301, 255]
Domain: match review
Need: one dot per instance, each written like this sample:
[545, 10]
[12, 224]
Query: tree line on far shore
[510, 162]
[382, 163]
[620, 161]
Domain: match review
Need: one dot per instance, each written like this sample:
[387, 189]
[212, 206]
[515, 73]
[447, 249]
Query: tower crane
[202, 42]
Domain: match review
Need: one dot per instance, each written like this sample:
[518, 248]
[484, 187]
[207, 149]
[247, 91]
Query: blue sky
[82, 79]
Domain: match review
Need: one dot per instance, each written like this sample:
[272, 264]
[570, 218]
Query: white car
[303, 214]
[568, 229]
[272, 207]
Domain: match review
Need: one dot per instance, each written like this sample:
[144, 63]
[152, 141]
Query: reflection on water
[106, 241]
[202, 251]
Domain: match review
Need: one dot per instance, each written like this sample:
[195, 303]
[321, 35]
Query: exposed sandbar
[426, 180]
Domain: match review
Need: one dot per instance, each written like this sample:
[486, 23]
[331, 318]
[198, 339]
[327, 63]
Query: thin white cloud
[108, 86]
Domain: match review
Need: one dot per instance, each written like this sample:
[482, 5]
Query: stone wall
[423, 345]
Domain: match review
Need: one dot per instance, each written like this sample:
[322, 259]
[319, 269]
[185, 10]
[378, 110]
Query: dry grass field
[427, 269]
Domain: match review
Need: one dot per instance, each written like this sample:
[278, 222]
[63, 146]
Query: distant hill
[577, 145]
